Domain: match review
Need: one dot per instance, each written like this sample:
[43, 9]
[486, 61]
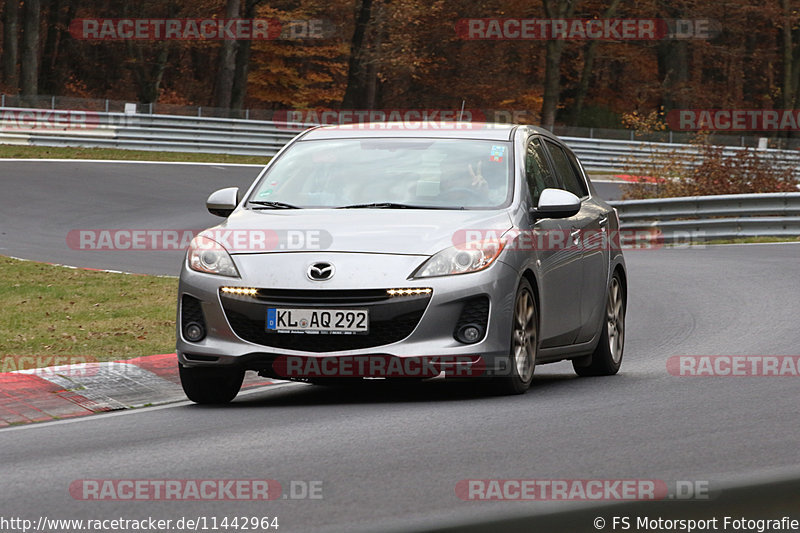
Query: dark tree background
[408, 54]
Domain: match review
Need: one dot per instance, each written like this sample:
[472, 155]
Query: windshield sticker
[497, 154]
[264, 193]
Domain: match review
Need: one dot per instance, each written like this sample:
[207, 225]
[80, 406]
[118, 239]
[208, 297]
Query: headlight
[470, 257]
[206, 255]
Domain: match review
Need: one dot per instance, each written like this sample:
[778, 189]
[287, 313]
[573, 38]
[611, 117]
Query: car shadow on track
[380, 391]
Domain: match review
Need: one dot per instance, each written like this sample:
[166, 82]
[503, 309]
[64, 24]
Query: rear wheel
[524, 344]
[209, 385]
[607, 357]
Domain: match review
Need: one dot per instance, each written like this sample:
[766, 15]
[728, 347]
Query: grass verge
[48, 310]
[13, 151]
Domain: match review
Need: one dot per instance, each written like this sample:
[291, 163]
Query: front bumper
[418, 326]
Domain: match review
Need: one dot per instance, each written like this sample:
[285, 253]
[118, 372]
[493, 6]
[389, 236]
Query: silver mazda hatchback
[379, 251]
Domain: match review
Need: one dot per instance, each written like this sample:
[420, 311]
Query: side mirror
[223, 202]
[556, 203]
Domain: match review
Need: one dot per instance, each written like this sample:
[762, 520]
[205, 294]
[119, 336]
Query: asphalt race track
[42, 201]
[608, 190]
[391, 457]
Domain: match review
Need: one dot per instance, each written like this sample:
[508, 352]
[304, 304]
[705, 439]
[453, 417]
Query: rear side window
[566, 171]
[537, 170]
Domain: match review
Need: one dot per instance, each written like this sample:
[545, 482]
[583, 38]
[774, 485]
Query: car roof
[432, 130]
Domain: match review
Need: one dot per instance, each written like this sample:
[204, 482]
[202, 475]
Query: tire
[209, 385]
[523, 346]
[607, 356]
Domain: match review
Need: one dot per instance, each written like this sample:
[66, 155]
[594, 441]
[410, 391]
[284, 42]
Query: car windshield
[388, 174]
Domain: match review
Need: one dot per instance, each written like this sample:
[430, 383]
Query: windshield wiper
[274, 205]
[389, 205]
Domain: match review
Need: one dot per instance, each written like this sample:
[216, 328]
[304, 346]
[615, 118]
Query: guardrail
[670, 219]
[615, 155]
[168, 133]
[180, 133]
[702, 218]
[52, 102]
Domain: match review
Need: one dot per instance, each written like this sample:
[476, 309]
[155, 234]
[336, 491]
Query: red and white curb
[67, 391]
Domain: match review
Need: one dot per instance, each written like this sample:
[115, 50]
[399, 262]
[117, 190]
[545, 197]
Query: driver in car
[469, 185]
[454, 177]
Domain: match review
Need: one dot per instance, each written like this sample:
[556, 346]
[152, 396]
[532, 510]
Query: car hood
[395, 231]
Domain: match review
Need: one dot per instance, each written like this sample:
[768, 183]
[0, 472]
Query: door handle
[575, 235]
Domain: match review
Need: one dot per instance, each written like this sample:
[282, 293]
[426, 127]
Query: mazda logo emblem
[320, 271]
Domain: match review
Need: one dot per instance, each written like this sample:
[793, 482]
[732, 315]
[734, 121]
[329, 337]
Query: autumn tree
[554, 9]
[242, 66]
[57, 15]
[29, 58]
[408, 54]
[303, 71]
[227, 61]
[589, 55]
[354, 95]
[10, 42]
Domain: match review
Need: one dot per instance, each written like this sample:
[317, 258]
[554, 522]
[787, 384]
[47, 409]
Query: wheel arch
[531, 277]
[623, 279]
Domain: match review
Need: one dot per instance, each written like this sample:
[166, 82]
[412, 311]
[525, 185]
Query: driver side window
[537, 171]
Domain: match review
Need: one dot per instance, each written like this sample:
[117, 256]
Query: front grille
[390, 319]
[328, 296]
[475, 311]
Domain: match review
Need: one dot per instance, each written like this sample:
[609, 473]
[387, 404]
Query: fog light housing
[194, 332]
[469, 333]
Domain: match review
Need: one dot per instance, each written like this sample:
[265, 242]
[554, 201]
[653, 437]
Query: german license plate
[335, 321]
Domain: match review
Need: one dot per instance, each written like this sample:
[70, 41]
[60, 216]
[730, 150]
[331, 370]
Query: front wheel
[607, 357]
[524, 344]
[211, 385]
